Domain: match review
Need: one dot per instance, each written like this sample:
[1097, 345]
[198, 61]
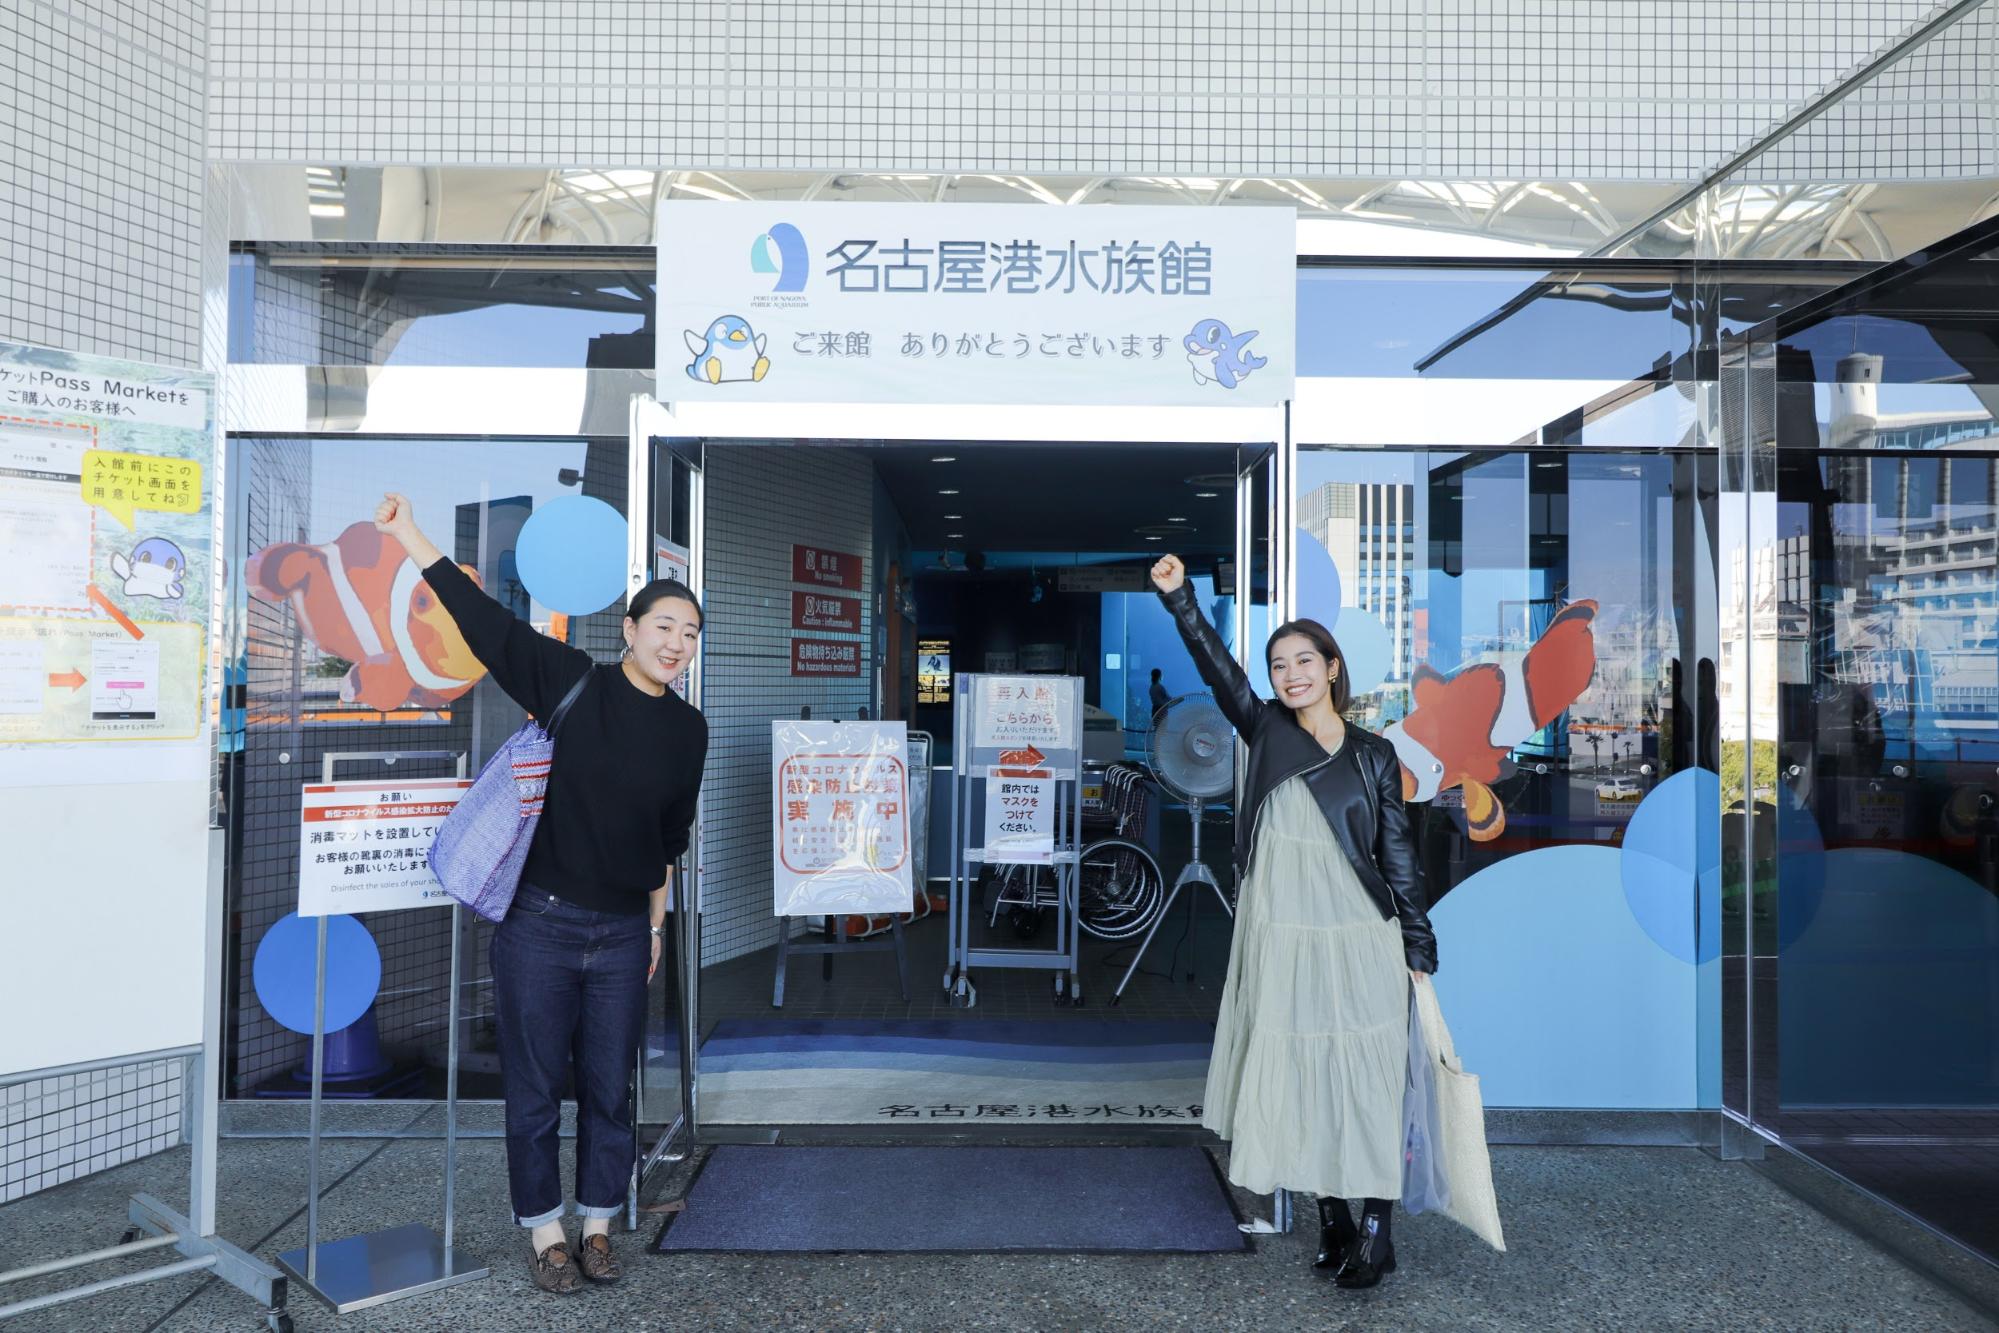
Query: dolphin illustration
[1217, 354]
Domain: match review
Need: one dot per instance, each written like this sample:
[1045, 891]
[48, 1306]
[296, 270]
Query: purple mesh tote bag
[482, 845]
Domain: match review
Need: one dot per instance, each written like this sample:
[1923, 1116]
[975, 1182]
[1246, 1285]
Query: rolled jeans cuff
[541, 1219]
[612, 1210]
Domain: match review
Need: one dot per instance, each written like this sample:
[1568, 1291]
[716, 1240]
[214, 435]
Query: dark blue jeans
[569, 994]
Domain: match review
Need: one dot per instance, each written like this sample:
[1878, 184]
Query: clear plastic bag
[841, 826]
[1425, 1187]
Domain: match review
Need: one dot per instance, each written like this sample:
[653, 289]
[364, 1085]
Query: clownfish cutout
[1461, 727]
[360, 597]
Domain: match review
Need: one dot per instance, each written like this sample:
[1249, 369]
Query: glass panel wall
[418, 305]
[338, 653]
[1866, 657]
[1527, 627]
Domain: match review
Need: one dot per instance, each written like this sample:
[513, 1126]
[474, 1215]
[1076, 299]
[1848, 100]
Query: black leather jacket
[1359, 790]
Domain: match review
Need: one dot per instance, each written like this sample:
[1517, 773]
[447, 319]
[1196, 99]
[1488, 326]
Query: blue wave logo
[781, 250]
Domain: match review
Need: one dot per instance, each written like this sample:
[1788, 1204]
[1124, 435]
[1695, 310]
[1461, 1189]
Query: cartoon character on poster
[361, 598]
[155, 568]
[1461, 727]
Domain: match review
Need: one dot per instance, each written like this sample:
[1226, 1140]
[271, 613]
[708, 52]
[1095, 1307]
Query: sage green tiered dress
[1312, 1043]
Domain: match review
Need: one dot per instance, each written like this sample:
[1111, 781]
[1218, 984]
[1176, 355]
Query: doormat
[986, 1071]
[920, 1200]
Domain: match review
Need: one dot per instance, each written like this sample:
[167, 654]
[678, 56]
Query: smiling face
[1301, 674]
[663, 641]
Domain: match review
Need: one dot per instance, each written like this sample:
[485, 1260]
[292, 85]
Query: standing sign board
[977, 303]
[840, 818]
[1016, 803]
[365, 846]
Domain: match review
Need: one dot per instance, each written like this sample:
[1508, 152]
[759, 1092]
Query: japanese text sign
[1015, 711]
[840, 818]
[823, 611]
[825, 657]
[825, 569]
[365, 846]
[1020, 816]
[123, 483]
[105, 601]
[977, 303]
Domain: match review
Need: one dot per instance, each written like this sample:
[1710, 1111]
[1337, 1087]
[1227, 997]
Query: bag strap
[568, 700]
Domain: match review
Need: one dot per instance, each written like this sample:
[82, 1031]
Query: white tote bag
[1466, 1163]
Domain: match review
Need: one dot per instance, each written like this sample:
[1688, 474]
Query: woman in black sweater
[572, 958]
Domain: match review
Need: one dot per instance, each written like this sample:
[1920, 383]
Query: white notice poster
[840, 818]
[365, 846]
[1015, 712]
[1020, 817]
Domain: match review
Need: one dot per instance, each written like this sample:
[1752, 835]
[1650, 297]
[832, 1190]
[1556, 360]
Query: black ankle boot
[1336, 1235]
[1373, 1253]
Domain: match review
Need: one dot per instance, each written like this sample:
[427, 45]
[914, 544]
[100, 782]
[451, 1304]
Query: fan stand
[1194, 872]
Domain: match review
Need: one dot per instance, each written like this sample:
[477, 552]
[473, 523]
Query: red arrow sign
[72, 679]
[1028, 758]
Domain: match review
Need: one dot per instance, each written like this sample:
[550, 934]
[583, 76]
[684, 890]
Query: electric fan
[1191, 751]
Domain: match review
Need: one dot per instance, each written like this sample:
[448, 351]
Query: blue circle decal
[1318, 582]
[571, 555]
[282, 971]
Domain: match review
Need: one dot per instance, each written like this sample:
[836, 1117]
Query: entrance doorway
[974, 557]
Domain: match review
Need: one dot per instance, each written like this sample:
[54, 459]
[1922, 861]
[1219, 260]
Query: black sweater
[627, 765]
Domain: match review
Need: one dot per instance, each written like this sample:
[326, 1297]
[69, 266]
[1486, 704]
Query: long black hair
[1322, 639]
[660, 590]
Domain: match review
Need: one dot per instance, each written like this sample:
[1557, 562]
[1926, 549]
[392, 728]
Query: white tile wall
[761, 499]
[1570, 89]
[101, 139]
[102, 122]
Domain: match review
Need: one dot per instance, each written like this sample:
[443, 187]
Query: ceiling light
[954, 534]
[1155, 539]
[952, 518]
[1206, 495]
[1176, 520]
[945, 458]
[947, 492]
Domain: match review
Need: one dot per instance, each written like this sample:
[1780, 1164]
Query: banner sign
[365, 846]
[840, 818]
[105, 519]
[825, 611]
[977, 303]
[825, 569]
[1020, 711]
[825, 657]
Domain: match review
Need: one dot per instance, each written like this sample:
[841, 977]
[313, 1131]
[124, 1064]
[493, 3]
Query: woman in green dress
[1312, 1042]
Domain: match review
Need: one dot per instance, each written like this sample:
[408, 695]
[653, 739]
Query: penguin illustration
[729, 352]
[1463, 725]
[360, 597]
[154, 569]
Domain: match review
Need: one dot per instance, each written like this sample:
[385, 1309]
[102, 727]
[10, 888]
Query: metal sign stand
[377, 1267]
[972, 766]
